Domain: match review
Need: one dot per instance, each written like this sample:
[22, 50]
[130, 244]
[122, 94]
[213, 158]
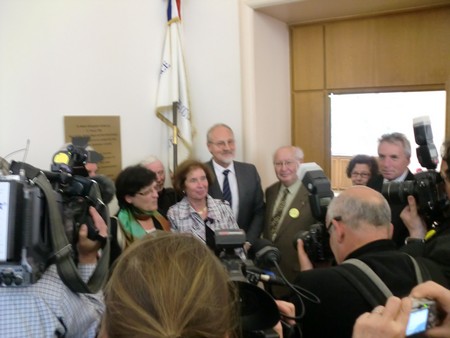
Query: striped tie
[226, 187]
[277, 215]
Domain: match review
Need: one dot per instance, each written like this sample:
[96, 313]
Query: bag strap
[374, 290]
[366, 281]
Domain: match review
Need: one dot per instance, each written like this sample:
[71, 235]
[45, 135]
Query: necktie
[226, 187]
[277, 215]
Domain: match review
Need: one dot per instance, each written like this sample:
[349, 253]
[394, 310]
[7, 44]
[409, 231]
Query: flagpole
[175, 134]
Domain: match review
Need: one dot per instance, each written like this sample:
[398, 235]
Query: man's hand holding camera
[87, 249]
[303, 259]
[412, 220]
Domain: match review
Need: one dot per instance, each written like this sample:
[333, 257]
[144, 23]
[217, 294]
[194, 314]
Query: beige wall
[266, 112]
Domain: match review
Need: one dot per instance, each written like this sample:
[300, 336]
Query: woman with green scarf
[137, 197]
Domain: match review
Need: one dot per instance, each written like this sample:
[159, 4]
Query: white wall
[102, 57]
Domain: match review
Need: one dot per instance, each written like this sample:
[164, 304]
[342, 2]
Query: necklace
[201, 212]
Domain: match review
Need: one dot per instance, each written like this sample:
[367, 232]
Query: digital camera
[428, 187]
[423, 316]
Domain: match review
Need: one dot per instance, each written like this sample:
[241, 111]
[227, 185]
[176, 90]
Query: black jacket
[340, 302]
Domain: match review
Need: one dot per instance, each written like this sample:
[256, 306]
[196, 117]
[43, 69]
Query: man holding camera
[49, 308]
[358, 222]
[394, 155]
[287, 207]
[431, 241]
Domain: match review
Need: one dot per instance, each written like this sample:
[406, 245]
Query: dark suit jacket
[289, 227]
[400, 230]
[166, 198]
[251, 198]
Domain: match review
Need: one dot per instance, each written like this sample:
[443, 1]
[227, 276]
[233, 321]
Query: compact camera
[423, 316]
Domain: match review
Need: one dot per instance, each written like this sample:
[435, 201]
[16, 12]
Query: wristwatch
[409, 240]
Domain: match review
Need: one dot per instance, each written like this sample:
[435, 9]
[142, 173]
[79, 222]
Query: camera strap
[367, 282]
[67, 269]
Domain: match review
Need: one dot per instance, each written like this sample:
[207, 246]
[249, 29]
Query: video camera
[428, 187]
[258, 310]
[34, 204]
[316, 240]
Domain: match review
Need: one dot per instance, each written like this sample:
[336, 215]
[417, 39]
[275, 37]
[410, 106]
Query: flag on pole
[172, 102]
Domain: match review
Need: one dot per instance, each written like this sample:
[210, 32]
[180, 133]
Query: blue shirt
[50, 309]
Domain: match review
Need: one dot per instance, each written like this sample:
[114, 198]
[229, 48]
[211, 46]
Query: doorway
[358, 120]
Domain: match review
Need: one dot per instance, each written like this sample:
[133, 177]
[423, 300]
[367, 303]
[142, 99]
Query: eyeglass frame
[279, 164]
[362, 175]
[337, 219]
[222, 144]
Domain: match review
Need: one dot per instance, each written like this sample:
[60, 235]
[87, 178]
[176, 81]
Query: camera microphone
[106, 186]
[265, 254]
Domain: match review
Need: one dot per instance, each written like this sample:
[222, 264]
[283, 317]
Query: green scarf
[127, 218]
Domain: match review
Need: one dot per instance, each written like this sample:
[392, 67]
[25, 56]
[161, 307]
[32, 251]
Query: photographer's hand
[287, 313]
[303, 259]
[441, 295]
[388, 321]
[87, 249]
[410, 216]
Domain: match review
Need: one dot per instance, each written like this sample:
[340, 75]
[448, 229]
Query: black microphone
[265, 254]
[106, 186]
[255, 275]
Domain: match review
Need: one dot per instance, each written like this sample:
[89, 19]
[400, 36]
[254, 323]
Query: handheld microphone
[265, 254]
[106, 186]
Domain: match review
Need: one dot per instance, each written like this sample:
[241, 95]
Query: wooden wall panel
[403, 51]
[308, 58]
[393, 50]
[311, 127]
[339, 179]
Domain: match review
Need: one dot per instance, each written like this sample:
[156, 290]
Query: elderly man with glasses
[287, 209]
[359, 225]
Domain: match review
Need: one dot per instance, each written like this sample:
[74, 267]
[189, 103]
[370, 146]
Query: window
[358, 120]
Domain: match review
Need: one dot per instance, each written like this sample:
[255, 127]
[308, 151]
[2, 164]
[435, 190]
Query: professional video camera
[39, 211]
[428, 187]
[258, 310]
[316, 239]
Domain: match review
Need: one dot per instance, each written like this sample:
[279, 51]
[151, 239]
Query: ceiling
[303, 11]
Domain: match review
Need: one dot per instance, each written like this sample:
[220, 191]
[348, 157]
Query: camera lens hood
[258, 308]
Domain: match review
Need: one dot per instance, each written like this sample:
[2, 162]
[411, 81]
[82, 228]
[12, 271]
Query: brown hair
[184, 169]
[169, 285]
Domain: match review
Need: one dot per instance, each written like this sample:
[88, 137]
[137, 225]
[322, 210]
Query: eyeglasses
[337, 218]
[145, 192]
[363, 175]
[280, 164]
[223, 144]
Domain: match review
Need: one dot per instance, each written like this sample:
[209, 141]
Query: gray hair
[355, 210]
[149, 160]
[397, 138]
[210, 130]
[297, 151]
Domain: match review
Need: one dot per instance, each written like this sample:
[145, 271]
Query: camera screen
[417, 321]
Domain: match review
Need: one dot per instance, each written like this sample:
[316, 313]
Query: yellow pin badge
[294, 213]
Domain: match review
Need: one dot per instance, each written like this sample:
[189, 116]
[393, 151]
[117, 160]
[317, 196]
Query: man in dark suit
[284, 218]
[244, 184]
[394, 154]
